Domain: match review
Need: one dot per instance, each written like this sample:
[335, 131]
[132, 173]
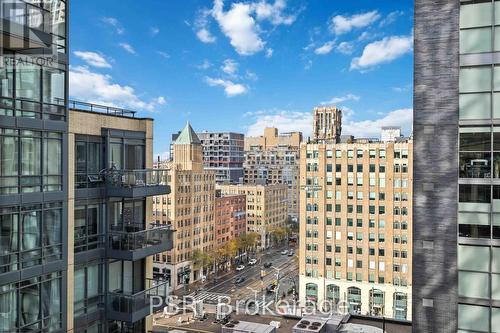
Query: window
[372, 153]
[474, 193]
[38, 299]
[475, 25]
[88, 233]
[39, 91]
[338, 153]
[89, 289]
[89, 152]
[40, 157]
[359, 153]
[32, 236]
[350, 153]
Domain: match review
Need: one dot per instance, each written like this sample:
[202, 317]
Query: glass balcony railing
[135, 183]
[134, 307]
[141, 244]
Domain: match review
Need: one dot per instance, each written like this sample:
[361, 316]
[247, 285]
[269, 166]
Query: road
[253, 286]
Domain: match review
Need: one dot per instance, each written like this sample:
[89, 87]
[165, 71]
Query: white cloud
[93, 59]
[229, 67]
[340, 99]
[231, 89]
[239, 26]
[343, 24]
[204, 65]
[115, 24]
[383, 51]
[98, 88]
[240, 23]
[269, 52]
[302, 121]
[345, 47]
[154, 31]
[205, 36]
[127, 47]
[308, 64]
[285, 121]
[251, 75]
[371, 128]
[164, 54]
[274, 12]
[325, 48]
[391, 17]
[403, 88]
[160, 100]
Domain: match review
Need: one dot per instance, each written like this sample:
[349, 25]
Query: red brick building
[230, 217]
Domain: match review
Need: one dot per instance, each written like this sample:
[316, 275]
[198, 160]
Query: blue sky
[242, 65]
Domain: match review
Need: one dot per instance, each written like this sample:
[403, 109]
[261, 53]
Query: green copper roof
[187, 136]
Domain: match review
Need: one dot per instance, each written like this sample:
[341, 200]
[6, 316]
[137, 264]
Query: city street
[252, 286]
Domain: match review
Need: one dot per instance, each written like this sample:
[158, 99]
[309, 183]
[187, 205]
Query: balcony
[25, 25]
[136, 183]
[141, 244]
[133, 307]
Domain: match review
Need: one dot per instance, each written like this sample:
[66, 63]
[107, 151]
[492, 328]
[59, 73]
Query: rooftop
[187, 136]
[99, 108]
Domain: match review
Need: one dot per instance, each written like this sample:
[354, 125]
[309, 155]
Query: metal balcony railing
[77, 105]
[133, 307]
[136, 178]
[131, 241]
[136, 183]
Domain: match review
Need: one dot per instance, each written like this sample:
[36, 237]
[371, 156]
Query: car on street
[240, 267]
[252, 261]
[239, 280]
[284, 252]
[268, 264]
[291, 253]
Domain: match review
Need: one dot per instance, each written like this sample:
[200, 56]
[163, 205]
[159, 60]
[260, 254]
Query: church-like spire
[187, 136]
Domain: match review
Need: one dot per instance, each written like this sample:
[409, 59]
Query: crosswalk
[208, 297]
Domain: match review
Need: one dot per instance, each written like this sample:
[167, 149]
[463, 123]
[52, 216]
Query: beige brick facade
[356, 225]
[266, 206]
[189, 208]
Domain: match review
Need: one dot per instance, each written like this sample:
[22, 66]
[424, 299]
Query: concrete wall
[435, 166]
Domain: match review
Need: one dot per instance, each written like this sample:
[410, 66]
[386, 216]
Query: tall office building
[33, 174]
[456, 261]
[355, 229]
[69, 261]
[272, 139]
[223, 153]
[111, 237]
[189, 208]
[274, 159]
[266, 207]
[276, 165]
[327, 124]
[230, 217]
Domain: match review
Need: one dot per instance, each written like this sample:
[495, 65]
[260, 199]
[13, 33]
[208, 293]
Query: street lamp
[276, 292]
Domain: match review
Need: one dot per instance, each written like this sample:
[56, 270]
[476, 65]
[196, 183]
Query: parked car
[284, 252]
[268, 264]
[240, 267]
[291, 253]
[252, 262]
[239, 280]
